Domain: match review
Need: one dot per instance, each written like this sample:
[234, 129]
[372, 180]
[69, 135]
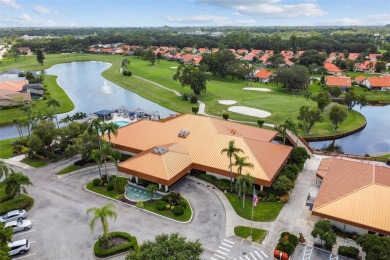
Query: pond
[374, 139]
[90, 92]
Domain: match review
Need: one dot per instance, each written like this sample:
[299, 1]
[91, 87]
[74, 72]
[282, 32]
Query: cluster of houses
[336, 78]
[15, 90]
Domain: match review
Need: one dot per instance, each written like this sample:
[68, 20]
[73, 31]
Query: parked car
[19, 225]
[19, 247]
[14, 215]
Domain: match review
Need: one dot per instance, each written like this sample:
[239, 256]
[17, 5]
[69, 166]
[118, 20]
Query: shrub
[127, 73]
[225, 116]
[284, 198]
[19, 202]
[289, 175]
[140, 204]
[185, 96]
[168, 206]
[130, 245]
[222, 184]
[111, 178]
[298, 156]
[183, 204]
[120, 185]
[193, 98]
[195, 110]
[287, 243]
[165, 198]
[348, 251]
[272, 198]
[160, 205]
[97, 182]
[110, 186]
[178, 210]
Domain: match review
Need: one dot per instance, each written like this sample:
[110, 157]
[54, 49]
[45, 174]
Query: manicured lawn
[258, 235]
[148, 205]
[264, 211]
[6, 148]
[34, 163]
[217, 89]
[55, 91]
[69, 169]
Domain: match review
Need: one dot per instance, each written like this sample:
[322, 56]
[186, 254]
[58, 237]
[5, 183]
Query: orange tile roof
[360, 79]
[203, 146]
[365, 65]
[338, 81]
[355, 193]
[353, 56]
[263, 74]
[13, 85]
[330, 67]
[377, 82]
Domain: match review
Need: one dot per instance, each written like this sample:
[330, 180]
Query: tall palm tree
[96, 127]
[97, 156]
[54, 103]
[230, 152]
[17, 122]
[241, 163]
[110, 154]
[109, 128]
[244, 183]
[15, 183]
[287, 125]
[125, 62]
[5, 169]
[27, 110]
[102, 214]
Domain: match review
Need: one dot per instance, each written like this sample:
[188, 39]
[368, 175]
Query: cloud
[245, 22]
[379, 19]
[268, 8]
[41, 9]
[199, 19]
[25, 18]
[10, 3]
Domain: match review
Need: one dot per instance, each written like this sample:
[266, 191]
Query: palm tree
[4, 170]
[18, 123]
[244, 183]
[151, 188]
[27, 109]
[54, 103]
[230, 152]
[110, 154]
[66, 119]
[102, 214]
[288, 125]
[125, 62]
[15, 183]
[241, 163]
[97, 156]
[96, 127]
[109, 128]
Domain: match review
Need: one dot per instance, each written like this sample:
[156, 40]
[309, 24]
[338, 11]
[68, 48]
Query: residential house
[299, 53]
[353, 56]
[263, 75]
[165, 151]
[16, 86]
[359, 80]
[354, 195]
[190, 58]
[248, 57]
[25, 51]
[381, 83]
[338, 81]
[332, 69]
[366, 67]
[336, 55]
[242, 52]
[203, 50]
[374, 56]
[215, 50]
[36, 90]
[13, 98]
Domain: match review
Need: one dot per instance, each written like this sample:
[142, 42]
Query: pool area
[121, 123]
[137, 193]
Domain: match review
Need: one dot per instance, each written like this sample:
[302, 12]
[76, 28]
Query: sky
[157, 13]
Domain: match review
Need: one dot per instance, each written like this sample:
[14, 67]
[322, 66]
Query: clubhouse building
[166, 150]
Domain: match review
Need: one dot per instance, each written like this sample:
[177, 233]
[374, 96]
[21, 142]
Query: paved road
[60, 223]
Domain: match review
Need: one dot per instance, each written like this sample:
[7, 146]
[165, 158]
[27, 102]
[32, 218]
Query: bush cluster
[221, 184]
[178, 210]
[348, 251]
[19, 202]
[110, 186]
[185, 96]
[287, 243]
[130, 245]
[127, 73]
[161, 205]
[193, 98]
[97, 182]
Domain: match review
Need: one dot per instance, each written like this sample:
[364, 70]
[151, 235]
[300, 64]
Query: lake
[90, 92]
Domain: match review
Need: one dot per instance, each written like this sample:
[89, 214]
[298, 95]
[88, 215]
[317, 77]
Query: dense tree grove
[265, 38]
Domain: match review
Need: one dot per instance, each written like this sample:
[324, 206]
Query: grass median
[258, 234]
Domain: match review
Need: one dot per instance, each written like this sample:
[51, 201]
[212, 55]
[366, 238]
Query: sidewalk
[15, 161]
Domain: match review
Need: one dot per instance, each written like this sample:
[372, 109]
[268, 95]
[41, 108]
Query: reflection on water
[374, 139]
[90, 92]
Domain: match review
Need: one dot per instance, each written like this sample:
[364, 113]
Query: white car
[19, 225]
[19, 247]
[14, 215]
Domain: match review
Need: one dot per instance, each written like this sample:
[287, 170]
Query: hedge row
[19, 202]
[349, 251]
[287, 243]
[131, 245]
[221, 184]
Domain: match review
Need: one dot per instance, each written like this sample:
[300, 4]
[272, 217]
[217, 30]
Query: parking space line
[229, 241]
[247, 257]
[252, 256]
[32, 242]
[224, 248]
[220, 256]
[264, 254]
[22, 233]
[257, 253]
[25, 256]
[226, 244]
[220, 252]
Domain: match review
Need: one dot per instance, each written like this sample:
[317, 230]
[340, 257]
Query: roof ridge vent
[160, 150]
[183, 133]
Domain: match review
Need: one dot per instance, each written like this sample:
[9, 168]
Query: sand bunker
[259, 89]
[173, 67]
[249, 111]
[227, 102]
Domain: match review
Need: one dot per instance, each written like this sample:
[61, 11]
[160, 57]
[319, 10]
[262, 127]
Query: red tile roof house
[335, 55]
[214, 50]
[203, 50]
[340, 81]
[374, 56]
[332, 69]
[263, 75]
[13, 98]
[353, 56]
[299, 53]
[25, 51]
[381, 83]
[366, 67]
[359, 80]
[242, 51]
[248, 57]
[287, 53]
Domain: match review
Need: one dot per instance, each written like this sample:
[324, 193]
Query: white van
[19, 247]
